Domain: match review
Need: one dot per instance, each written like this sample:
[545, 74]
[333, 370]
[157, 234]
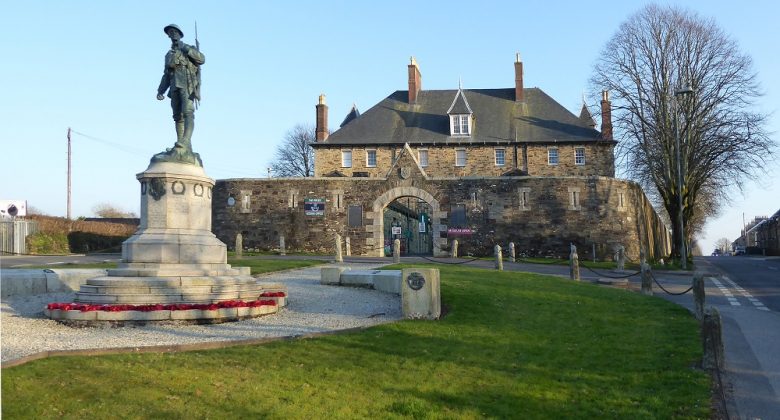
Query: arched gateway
[377, 228]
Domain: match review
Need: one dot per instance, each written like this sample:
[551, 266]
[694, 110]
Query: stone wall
[480, 160]
[542, 215]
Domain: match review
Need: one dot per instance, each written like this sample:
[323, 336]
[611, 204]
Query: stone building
[485, 166]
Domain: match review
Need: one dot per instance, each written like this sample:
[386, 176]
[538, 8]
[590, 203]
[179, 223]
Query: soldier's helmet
[181, 33]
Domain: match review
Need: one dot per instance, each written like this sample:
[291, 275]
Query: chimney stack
[518, 79]
[415, 80]
[606, 116]
[321, 132]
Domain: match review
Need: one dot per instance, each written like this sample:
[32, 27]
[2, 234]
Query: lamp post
[678, 94]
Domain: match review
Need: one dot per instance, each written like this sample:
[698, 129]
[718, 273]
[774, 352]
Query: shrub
[47, 243]
[83, 242]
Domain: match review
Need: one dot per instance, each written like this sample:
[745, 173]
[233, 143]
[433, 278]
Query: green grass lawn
[265, 266]
[512, 345]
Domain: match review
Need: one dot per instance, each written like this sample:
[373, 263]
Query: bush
[47, 243]
[83, 242]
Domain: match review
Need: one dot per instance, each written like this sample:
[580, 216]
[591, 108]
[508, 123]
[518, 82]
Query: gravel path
[311, 308]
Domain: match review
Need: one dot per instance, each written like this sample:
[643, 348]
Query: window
[346, 158]
[246, 203]
[574, 198]
[552, 156]
[579, 155]
[500, 157]
[621, 201]
[524, 196]
[371, 158]
[422, 156]
[460, 125]
[460, 157]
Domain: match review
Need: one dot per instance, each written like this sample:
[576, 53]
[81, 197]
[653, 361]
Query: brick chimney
[518, 79]
[415, 81]
[321, 131]
[606, 116]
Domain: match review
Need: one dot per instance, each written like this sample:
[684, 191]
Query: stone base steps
[97, 318]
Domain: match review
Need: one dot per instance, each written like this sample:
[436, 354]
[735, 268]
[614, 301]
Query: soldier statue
[181, 78]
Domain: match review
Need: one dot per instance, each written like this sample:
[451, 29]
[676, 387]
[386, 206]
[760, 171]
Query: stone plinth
[173, 258]
[420, 293]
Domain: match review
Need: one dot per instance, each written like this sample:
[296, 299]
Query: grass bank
[512, 345]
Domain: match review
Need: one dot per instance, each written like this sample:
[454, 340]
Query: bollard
[698, 295]
[594, 252]
[574, 264]
[348, 246]
[499, 258]
[339, 258]
[512, 252]
[397, 251]
[712, 340]
[282, 248]
[621, 260]
[647, 279]
[239, 245]
[454, 250]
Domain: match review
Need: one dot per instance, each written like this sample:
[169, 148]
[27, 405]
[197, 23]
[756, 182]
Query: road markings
[757, 303]
[732, 300]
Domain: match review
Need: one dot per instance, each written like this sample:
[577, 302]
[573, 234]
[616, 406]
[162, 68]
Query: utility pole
[69, 174]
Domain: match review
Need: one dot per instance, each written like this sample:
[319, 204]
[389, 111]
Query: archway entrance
[411, 202]
[408, 219]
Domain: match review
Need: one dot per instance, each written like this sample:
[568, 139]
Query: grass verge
[513, 345]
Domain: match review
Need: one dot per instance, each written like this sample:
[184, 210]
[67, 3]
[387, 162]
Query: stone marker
[574, 264]
[282, 247]
[348, 246]
[339, 258]
[499, 258]
[397, 251]
[698, 295]
[420, 293]
[621, 258]
[332, 275]
[647, 279]
[239, 245]
[454, 250]
[712, 340]
[512, 252]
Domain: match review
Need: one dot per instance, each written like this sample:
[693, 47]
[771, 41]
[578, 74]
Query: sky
[94, 66]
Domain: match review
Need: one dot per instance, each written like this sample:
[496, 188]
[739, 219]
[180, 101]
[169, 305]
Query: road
[20, 261]
[760, 276]
[746, 292]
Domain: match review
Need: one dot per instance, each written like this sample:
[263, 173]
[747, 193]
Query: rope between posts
[612, 277]
[668, 292]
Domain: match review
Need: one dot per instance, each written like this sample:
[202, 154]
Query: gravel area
[311, 308]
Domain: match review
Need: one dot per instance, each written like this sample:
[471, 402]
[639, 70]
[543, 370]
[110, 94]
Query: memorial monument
[174, 264]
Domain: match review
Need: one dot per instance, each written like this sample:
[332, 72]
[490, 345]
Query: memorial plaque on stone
[420, 293]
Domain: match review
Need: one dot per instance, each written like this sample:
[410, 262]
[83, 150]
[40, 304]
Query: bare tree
[295, 156]
[723, 139]
[109, 210]
[723, 244]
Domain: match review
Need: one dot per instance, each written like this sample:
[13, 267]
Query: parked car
[716, 253]
[740, 250]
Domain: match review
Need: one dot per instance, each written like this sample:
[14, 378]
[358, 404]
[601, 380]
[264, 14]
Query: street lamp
[680, 94]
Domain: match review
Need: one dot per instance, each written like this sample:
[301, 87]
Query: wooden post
[574, 264]
[512, 252]
[339, 257]
[698, 295]
[239, 245]
[454, 250]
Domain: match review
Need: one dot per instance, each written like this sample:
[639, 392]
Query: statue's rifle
[197, 47]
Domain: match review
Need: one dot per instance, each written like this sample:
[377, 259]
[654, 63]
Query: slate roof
[354, 113]
[459, 104]
[586, 116]
[498, 119]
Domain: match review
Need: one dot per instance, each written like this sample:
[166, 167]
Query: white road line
[757, 303]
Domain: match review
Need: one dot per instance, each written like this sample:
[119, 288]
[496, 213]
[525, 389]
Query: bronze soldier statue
[181, 78]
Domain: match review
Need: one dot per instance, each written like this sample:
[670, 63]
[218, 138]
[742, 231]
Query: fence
[13, 234]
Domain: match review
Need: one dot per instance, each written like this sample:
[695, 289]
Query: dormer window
[460, 125]
[460, 116]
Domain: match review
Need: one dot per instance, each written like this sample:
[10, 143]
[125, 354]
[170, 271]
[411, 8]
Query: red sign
[459, 231]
